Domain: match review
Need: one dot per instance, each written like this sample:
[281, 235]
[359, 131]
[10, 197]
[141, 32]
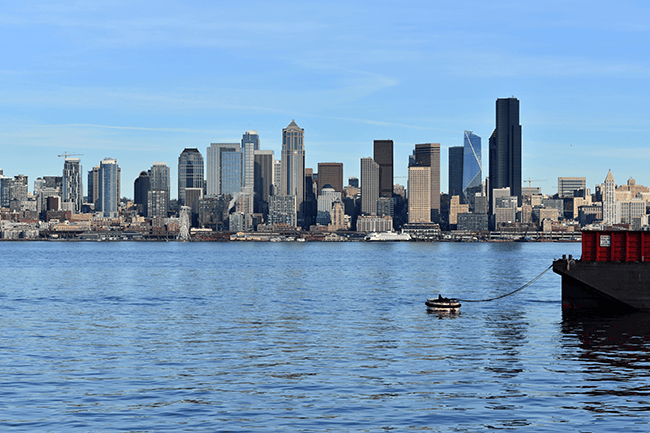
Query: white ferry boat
[388, 236]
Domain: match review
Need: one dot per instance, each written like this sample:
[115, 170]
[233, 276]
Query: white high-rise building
[108, 187]
[224, 163]
[609, 201]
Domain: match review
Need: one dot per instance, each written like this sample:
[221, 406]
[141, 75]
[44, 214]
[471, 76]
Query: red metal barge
[613, 273]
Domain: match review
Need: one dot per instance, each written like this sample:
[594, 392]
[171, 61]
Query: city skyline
[139, 84]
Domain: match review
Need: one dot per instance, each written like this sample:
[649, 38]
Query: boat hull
[613, 286]
[445, 304]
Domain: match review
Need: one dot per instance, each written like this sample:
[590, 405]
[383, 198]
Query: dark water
[307, 337]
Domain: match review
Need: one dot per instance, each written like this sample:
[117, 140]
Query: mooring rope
[511, 293]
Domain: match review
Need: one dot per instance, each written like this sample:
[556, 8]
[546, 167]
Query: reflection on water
[613, 355]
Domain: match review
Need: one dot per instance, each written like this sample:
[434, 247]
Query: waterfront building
[505, 148]
[428, 155]
[383, 156]
[567, 186]
[72, 184]
[373, 223]
[282, 211]
[369, 186]
[419, 194]
[455, 172]
[190, 172]
[293, 166]
[141, 187]
[108, 184]
[473, 222]
[472, 169]
[330, 173]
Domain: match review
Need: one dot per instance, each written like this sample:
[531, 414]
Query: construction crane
[66, 154]
[530, 181]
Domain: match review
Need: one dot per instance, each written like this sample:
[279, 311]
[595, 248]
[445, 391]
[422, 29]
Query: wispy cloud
[133, 128]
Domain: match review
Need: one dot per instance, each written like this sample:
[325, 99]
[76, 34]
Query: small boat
[443, 304]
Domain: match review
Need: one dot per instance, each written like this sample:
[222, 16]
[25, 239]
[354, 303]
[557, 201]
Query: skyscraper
[277, 176]
[428, 155]
[609, 201]
[293, 166]
[472, 168]
[330, 173]
[567, 186]
[263, 176]
[72, 183]
[224, 168]
[158, 195]
[505, 148]
[190, 172]
[108, 188]
[383, 155]
[419, 192]
[456, 154]
[93, 186]
[250, 142]
[369, 186]
[141, 187]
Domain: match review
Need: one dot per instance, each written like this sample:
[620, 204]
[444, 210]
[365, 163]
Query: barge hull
[614, 286]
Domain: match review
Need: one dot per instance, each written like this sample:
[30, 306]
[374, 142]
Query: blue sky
[140, 81]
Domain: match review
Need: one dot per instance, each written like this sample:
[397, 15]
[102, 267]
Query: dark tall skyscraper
[141, 188]
[190, 172]
[383, 155]
[505, 149]
[330, 173]
[456, 171]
